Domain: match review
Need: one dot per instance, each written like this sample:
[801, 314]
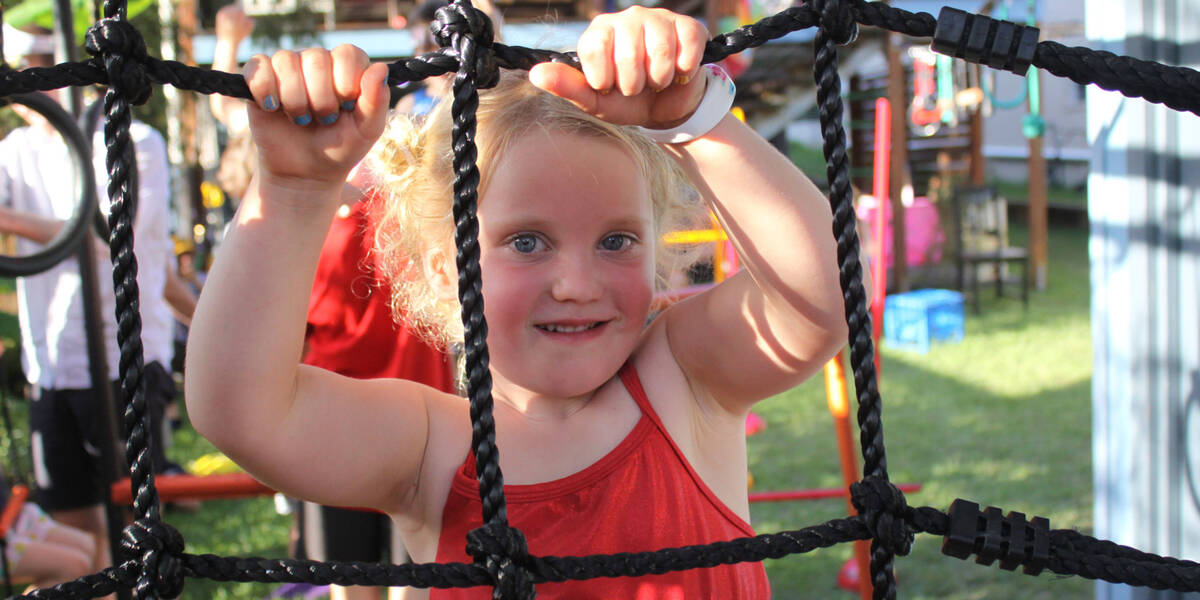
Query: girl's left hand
[639, 68]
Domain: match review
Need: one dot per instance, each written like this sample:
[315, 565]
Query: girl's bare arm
[774, 324]
[305, 431]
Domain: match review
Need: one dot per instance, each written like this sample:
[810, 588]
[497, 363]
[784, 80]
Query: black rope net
[154, 563]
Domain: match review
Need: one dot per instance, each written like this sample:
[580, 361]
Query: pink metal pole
[883, 150]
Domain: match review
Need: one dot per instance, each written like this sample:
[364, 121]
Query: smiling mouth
[554, 328]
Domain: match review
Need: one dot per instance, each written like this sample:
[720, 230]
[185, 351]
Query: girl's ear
[441, 272]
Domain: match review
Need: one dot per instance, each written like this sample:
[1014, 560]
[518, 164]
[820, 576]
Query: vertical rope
[120, 45]
[120, 160]
[837, 26]
[496, 546]
[470, 283]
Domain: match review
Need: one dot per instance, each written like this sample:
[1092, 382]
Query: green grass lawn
[1002, 418]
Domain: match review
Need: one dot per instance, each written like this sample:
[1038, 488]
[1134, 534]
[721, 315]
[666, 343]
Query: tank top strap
[633, 385]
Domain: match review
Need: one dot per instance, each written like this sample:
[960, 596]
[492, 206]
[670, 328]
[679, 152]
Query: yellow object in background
[211, 195]
[214, 463]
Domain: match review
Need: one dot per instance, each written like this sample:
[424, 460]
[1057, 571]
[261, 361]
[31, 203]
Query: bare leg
[90, 519]
[51, 564]
[70, 537]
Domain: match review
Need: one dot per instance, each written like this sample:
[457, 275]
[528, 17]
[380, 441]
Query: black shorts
[328, 533]
[67, 432]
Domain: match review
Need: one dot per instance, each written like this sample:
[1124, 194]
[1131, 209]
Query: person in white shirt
[37, 195]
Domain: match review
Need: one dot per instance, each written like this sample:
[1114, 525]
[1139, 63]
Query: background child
[45, 551]
[616, 435]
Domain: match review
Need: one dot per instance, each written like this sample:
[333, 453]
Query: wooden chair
[981, 224]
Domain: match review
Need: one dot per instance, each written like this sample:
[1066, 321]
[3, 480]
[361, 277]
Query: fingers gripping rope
[160, 548]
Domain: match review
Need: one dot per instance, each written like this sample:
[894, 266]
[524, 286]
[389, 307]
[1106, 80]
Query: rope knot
[502, 550]
[837, 19]
[160, 547]
[468, 30]
[886, 512]
[119, 44]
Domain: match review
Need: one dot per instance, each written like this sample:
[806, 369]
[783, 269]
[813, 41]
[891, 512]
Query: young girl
[614, 434]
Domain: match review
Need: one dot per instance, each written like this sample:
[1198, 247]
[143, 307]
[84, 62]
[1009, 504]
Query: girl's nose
[575, 280]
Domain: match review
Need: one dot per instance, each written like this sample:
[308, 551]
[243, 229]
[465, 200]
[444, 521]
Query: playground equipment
[880, 182]
[501, 560]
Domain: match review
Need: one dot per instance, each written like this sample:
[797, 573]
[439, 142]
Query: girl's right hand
[315, 114]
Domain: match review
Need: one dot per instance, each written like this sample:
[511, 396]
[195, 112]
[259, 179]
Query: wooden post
[978, 171]
[900, 177]
[1038, 211]
[716, 12]
[183, 136]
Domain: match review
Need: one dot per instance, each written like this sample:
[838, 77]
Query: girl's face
[567, 249]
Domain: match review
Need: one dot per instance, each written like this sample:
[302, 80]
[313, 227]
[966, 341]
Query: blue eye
[616, 242]
[525, 243]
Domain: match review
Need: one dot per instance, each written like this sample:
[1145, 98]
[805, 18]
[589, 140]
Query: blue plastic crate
[913, 320]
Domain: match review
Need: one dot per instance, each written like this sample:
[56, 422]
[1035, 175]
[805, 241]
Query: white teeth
[565, 328]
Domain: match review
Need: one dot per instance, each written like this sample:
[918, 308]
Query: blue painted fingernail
[349, 105]
[329, 119]
[270, 103]
[303, 120]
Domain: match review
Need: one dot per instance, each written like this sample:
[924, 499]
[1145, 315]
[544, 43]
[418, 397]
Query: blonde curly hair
[414, 186]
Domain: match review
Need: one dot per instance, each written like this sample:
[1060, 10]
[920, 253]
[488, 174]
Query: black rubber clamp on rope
[984, 40]
[1012, 539]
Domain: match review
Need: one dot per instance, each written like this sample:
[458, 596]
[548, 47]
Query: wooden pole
[900, 177]
[977, 169]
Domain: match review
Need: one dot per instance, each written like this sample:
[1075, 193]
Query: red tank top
[643, 495]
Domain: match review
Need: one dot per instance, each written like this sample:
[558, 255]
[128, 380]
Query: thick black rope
[1175, 87]
[838, 27]
[1072, 554]
[157, 564]
[495, 546]
[120, 47]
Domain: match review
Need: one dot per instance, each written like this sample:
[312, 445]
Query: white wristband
[718, 99]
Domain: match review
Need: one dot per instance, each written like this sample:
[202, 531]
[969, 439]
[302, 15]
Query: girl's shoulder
[684, 403]
[668, 389]
[448, 440]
